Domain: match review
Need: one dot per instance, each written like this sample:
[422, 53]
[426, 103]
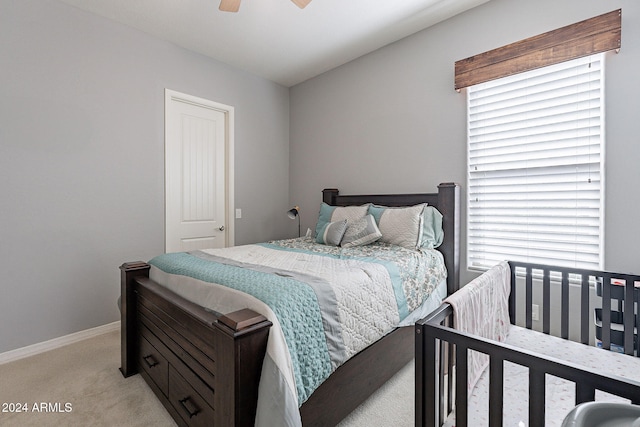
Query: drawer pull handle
[194, 409]
[151, 361]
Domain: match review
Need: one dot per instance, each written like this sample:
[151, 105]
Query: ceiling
[274, 38]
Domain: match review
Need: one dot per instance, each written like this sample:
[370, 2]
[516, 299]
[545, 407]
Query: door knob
[221, 228]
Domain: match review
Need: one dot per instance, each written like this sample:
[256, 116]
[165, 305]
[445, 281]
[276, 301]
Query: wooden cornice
[599, 34]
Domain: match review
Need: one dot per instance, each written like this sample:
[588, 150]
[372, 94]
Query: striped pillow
[332, 232]
[330, 213]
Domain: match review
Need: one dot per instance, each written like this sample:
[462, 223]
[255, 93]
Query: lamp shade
[293, 212]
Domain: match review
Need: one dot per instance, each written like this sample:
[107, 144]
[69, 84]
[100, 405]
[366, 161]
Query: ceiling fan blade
[229, 5]
[301, 3]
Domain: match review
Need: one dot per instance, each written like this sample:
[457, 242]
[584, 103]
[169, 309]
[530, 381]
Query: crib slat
[584, 310]
[512, 295]
[564, 318]
[629, 317]
[606, 312]
[450, 364]
[496, 379]
[442, 360]
[637, 322]
[546, 302]
[528, 299]
[461, 385]
[536, 397]
[430, 366]
[427, 393]
[584, 393]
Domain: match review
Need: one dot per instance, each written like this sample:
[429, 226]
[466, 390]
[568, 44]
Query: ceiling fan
[234, 5]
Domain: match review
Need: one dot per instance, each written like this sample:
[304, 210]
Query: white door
[197, 188]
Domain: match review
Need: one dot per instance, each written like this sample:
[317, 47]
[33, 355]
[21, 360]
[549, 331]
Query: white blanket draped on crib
[481, 308]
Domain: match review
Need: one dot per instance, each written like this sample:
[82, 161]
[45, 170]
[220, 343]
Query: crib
[608, 306]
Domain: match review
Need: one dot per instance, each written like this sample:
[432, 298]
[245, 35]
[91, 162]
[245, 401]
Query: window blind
[535, 166]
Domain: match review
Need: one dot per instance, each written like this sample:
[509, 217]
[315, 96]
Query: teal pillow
[432, 232]
[332, 232]
[324, 217]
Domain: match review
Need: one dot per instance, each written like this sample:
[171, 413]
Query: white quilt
[360, 293]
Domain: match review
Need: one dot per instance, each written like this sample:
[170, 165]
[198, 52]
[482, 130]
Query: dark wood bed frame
[439, 347]
[205, 367]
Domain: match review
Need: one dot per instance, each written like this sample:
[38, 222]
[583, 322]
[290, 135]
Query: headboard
[446, 200]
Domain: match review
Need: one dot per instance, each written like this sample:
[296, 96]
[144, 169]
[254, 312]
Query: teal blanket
[293, 301]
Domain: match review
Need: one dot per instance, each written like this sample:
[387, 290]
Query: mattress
[560, 393]
[326, 304]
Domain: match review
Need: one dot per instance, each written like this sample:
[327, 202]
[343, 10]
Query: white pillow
[400, 226]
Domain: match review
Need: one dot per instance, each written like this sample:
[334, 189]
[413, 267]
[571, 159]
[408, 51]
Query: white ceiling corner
[274, 38]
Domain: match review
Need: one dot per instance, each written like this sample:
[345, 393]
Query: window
[535, 190]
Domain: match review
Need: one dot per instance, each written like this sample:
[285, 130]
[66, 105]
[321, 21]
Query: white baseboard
[41, 347]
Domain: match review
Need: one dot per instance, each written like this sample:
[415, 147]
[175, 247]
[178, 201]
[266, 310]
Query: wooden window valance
[594, 35]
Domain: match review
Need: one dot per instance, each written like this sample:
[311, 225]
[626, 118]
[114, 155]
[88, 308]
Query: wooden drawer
[191, 406]
[153, 361]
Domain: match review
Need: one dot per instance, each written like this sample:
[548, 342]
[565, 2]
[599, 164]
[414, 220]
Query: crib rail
[625, 292]
[433, 334]
[439, 347]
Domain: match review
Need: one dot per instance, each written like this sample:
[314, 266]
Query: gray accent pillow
[331, 233]
[361, 232]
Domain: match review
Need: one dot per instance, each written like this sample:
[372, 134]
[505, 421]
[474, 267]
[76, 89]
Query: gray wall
[82, 160]
[81, 143]
[390, 121]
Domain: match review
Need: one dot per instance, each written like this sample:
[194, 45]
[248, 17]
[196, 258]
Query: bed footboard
[204, 367]
[438, 346]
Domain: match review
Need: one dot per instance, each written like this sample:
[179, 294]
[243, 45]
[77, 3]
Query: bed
[515, 375]
[208, 366]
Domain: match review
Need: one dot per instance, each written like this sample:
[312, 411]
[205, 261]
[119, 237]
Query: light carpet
[80, 385]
